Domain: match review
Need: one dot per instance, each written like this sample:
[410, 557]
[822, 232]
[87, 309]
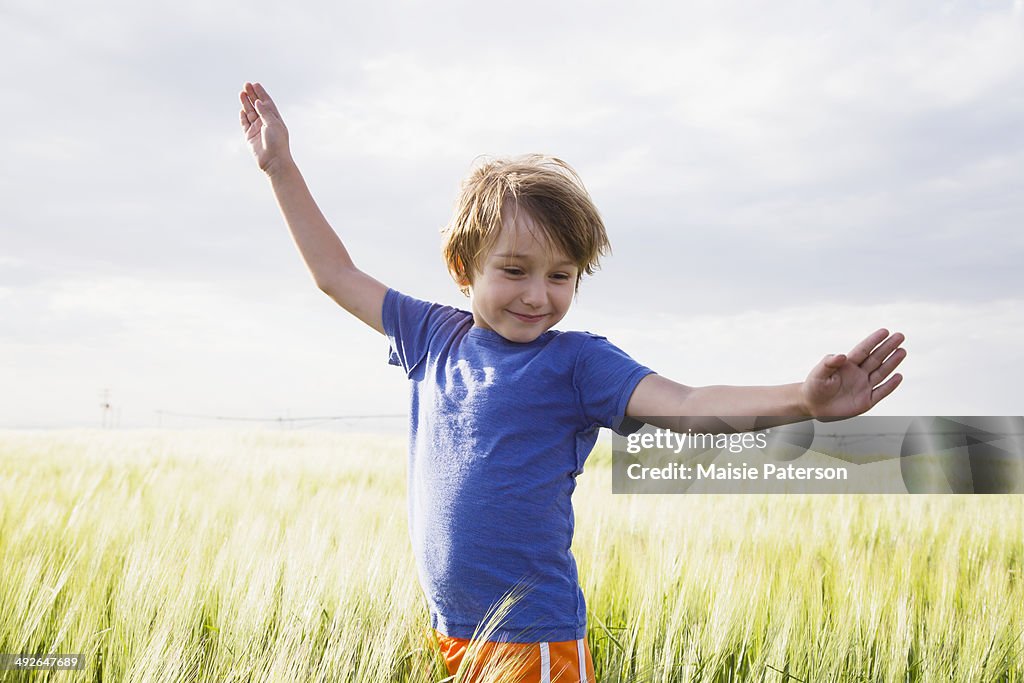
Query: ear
[463, 283]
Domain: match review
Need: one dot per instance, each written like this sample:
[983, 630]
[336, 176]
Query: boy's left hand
[850, 384]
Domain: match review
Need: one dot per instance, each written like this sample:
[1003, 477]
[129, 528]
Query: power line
[322, 418]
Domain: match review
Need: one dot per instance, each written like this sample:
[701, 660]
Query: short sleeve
[605, 377]
[410, 324]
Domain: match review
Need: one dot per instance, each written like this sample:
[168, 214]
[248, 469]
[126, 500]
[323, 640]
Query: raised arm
[321, 248]
[840, 386]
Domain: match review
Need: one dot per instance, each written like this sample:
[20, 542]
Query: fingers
[884, 351]
[248, 113]
[256, 103]
[261, 100]
[880, 392]
[263, 110]
[861, 351]
[886, 368]
[246, 99]
[261, 92]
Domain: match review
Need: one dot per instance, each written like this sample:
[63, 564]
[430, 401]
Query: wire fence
[287, 422]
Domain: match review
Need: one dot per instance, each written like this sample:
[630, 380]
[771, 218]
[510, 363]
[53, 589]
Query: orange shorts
[565, 662]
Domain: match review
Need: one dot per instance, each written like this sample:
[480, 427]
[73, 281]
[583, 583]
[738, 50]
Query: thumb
[262, 109]
[834, 361]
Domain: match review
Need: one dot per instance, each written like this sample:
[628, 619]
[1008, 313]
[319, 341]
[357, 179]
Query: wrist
[801, 405]
[280, 167]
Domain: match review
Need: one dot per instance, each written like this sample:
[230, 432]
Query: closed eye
[513, 271]
[560, 276]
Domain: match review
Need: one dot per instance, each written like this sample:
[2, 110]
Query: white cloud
[405, 108]
[187, 347]
[871, 150]
[963, 359]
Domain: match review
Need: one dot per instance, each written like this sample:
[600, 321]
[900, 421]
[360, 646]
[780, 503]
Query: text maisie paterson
[697, 472]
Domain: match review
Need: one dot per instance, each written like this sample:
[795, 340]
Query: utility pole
[106, 413]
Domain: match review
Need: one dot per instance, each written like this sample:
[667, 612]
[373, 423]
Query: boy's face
[522, 286]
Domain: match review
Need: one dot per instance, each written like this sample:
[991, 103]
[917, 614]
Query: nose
[534, 293]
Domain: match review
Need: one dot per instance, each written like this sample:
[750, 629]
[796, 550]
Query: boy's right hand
[264, 129]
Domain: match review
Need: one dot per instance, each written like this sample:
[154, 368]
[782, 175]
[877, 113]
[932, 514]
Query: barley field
[284, 556]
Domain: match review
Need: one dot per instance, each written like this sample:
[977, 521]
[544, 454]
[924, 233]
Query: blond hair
[547, 188]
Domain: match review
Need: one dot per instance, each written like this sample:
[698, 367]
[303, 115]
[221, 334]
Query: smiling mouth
[529, 318]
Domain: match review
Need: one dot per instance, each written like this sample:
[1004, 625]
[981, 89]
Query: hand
[847, 385]
[263, 127]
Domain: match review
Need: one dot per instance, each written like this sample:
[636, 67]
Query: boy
[505, 410]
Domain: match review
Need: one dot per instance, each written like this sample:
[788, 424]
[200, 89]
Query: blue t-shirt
[499, 432]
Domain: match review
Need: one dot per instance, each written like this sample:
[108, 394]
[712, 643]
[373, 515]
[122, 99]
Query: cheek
[496, 292]
[564, 297]
[507, 288]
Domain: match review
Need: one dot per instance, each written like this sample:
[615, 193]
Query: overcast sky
[777, 183]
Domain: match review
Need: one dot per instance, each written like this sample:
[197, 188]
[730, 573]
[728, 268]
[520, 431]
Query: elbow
[323, 285]
[331, 281]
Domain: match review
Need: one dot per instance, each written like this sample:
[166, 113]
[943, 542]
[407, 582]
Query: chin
[521, 336]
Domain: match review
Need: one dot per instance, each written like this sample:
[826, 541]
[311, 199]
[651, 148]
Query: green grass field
[284, 556]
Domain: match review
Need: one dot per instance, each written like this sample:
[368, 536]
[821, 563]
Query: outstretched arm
[839, 386]
[321, 248]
